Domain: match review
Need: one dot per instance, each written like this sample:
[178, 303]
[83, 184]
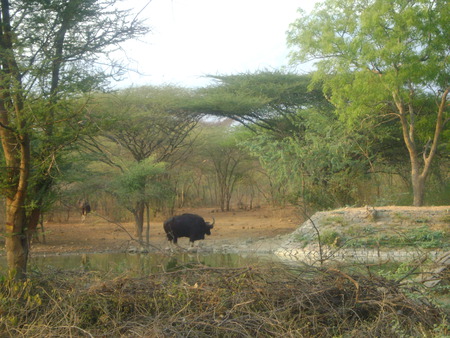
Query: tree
[228, 160]
[386, 58]
[317, 165]
[141, 125]
[265, 99]
[136, 186]
[50, 53]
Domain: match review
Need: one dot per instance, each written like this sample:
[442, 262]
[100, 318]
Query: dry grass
[198, 301]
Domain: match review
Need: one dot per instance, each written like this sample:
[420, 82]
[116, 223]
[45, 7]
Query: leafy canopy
[366, 50]
[266, 99]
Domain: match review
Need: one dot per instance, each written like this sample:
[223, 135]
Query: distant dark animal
[85, 208]
[187, 225]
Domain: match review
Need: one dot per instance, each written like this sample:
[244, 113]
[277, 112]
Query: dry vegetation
[199, 301]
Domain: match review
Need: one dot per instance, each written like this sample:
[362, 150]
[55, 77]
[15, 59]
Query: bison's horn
[212, 224]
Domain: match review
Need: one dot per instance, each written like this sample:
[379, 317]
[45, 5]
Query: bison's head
[209, 226]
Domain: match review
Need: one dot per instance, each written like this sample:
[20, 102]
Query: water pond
[141, 264]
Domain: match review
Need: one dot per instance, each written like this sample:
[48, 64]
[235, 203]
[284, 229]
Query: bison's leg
[173, 244]
[194, 245]
[169, 237]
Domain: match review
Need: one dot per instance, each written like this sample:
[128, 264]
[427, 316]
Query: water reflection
[140, 264]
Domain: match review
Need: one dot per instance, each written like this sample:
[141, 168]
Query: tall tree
[266, 99]
[225, 157]
[136, 186]
[317, 165]
[383, 57]
[50, 53]
[138, 125]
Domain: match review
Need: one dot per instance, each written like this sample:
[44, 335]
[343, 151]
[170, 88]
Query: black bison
[85, 208]
[187, 225]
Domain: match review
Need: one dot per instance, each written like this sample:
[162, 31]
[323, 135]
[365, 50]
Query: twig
[78, 328]
[412, 270]
[321, 259]
[350, 279]
[128, 233]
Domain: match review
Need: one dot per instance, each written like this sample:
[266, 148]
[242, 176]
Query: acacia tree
[138, 126]
[49, 54]
[265, 99]
[135, 186]
[383, 57]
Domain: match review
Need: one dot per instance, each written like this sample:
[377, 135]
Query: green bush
[330, 237]
[422, 237]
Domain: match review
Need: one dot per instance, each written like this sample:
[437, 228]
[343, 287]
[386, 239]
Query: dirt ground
[97, 234]
[261, 229]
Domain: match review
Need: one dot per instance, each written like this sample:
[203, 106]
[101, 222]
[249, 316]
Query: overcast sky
[193, 38]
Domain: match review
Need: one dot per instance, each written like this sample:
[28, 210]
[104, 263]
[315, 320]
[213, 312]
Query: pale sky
[193, 38]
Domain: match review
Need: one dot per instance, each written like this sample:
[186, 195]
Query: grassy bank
[199, 301]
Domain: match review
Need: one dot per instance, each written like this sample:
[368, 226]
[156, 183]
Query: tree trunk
[147, 232]
[418, 184]
[16, 149]
[419, 172]
[16, 240]
[17, 158]
[418, 180]
[33, 221]
[41, 222]
[228, 201]
[139, 220]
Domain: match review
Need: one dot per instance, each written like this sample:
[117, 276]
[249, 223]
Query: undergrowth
[420, 237]
[199, 301]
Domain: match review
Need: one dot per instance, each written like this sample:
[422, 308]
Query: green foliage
[367, 63]
[51, 51]
[383, 58]
[141, 181]
[317, 163]
[304, 240]
[334, 220]
[136, 175]
[141, 128]
[422, 237]
[330, 237]
[439, 192]
[266, 99]
[426, 238]
[144, 122]
[70, 37]
[395, 270]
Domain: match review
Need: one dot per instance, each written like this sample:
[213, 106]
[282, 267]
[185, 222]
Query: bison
[187, 225]
[85, 208]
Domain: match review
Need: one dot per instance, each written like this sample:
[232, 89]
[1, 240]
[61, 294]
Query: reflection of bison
[187, 225]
